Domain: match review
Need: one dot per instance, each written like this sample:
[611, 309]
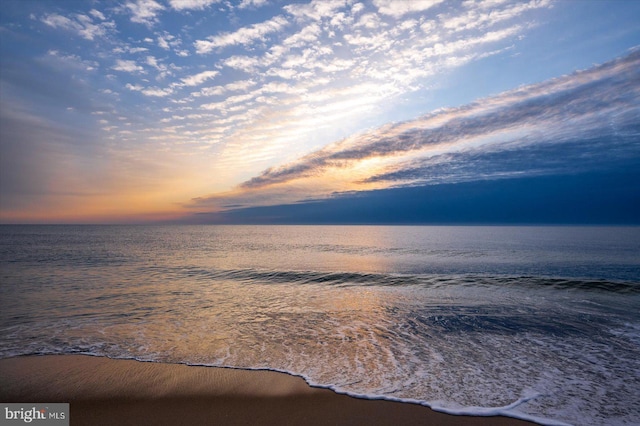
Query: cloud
[144, 11]
[244, 63]
[308, 34]
[518, 158]
[398, 8]
[72, 62]
[152, 61]
[242, 36]
[228, 102]
[316, 9]
[134, 87]
[150, 91]
[562, 110]
[157, 92]
[197, 79]
[481, 16]
[191, 4]
[97, 14]
[162, 43]
[127, 66]
[243, 85]
[167, 41]
[370, 21]
[252, 3]
[82, 25]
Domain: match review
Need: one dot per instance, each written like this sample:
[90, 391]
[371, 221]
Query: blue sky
[127, 111]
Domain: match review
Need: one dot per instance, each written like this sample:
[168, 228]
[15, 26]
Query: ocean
[538, 323]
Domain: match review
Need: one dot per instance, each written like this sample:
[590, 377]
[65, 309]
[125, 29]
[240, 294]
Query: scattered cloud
[168, 41]
[134, 87]
[399, 8]
[252, 3]
[97, 14]
[157, 92]
[258, 85]
[480, 17]
[242, 85]
[242, 36]
[315, 10]
[531, 120]
[70, 61]
[191, 4]
[144, 11]
[163, 43]
[243, 63]
[197, 79]
[125, 65]
[80, 24]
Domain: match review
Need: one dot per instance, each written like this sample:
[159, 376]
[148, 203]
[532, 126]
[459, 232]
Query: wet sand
[103, 391]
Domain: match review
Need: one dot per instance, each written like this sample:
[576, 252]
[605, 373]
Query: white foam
[507, 410]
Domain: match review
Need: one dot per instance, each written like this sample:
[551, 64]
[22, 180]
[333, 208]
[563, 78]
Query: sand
[103, 391]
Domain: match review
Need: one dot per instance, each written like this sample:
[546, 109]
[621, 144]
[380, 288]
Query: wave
[348, 279]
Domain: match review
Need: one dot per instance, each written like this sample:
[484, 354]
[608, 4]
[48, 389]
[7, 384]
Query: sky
[330, 111]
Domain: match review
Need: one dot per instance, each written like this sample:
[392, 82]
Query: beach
[103, 391]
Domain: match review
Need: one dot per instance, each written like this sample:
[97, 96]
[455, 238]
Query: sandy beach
[103, 391]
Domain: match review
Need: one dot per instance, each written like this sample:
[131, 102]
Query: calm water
[532, 322]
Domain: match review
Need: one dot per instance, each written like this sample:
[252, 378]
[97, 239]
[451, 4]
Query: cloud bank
[585, 121]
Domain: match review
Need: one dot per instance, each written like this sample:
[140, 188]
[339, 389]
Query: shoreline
[104, 391]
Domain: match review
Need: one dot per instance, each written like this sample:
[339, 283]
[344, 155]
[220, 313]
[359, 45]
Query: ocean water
[539, 323]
